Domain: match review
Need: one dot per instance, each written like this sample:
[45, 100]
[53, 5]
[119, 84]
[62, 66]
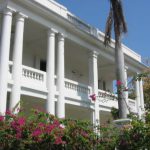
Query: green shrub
[43, 131]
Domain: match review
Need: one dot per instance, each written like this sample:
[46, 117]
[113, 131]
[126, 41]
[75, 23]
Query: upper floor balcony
[33, 83]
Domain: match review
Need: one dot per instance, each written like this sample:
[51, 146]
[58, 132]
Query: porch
[33, 84]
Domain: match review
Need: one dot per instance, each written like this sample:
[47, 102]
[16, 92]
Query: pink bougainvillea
[37, 132]
[119, 83]
[59, 141]
[1, 118]
[21, 121]
[93, 97]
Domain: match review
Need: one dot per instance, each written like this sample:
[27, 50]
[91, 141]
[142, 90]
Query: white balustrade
[31, 77]
[33, 74]
[78, 87]
[34, 78]
[79, 23]
[132, 105]
[106, 95]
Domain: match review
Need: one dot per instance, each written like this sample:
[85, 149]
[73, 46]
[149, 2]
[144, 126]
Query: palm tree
[117, 22]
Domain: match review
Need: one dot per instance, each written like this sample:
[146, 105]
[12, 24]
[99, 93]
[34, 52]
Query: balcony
[33, 83]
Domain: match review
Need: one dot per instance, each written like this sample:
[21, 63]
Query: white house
[51, 59]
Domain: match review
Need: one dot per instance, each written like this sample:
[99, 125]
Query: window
[43, 65]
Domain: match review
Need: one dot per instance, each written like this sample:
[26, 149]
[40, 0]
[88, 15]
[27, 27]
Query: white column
[4, 57]
[93, 82]
[50, 103]
[60, 77]
[137, 92]
[0, 25]
[126, 86]
[141, 95]
[17, 62]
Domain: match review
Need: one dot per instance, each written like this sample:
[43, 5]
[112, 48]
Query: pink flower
[14, 124]
[36, 132]
[56, 123]
[8, 112]
[41, 125]
[119, 83]
[83, 133]
[1, 118]
[58, 141]
[49, 128]
[21, 121]
[18, 135]
[93, 97]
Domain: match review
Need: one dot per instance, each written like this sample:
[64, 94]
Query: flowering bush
[134, 136]
[39, 131]
[43, 131]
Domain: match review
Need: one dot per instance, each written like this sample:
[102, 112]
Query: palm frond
[116, 16]
[108, 28]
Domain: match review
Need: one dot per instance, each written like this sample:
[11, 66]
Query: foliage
[115, 113]
[39, 131]
[134, 136]
[43, 131]
[146, 90]
[79, 135]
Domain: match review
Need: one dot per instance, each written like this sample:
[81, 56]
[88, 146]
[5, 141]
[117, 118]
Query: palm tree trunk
[120, 75]
[116, 20]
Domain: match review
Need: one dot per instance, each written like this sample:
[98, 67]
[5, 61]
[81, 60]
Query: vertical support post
[141, 96]
[4, 57]
[126, 86]
[60, 77]
[137, 91]
[93, 82]
[17, 63]
[50, 103]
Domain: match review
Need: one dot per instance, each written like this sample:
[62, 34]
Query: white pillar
[17, 63]
[93, 82]
[60, 77]
[50, 105]
[141, 96]
[137, 92]
[4, 57]
[126, 86]
[0, 25]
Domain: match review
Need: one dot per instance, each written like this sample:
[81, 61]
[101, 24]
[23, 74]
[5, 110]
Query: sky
[137, 14]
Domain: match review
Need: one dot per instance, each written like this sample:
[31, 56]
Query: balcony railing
[33, 74]
[78, 23]
[106, 95]
[36, 79]
[31, 78]
[75, 86]
[132, 105]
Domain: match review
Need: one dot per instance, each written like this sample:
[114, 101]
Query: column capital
[51, 32]
[61, 37]
[8, 11]
[20, 16]
[93, 54]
